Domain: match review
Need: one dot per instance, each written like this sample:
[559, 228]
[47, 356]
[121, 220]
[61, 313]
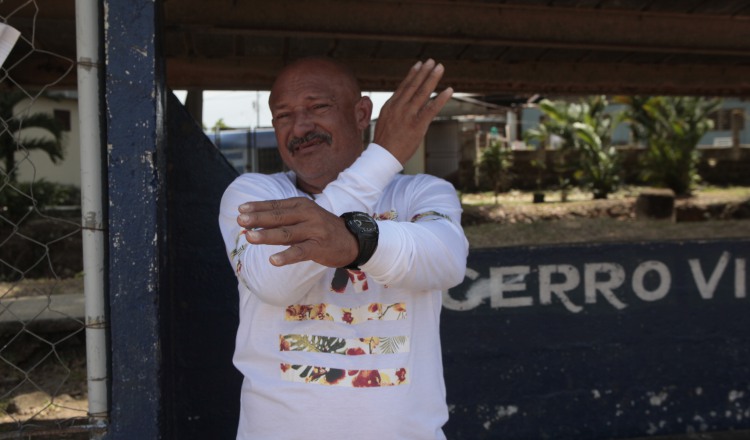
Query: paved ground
[42, 308]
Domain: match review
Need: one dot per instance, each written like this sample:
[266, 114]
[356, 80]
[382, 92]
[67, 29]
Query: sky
[239, 109]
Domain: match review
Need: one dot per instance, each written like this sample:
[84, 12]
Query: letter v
[707, 289]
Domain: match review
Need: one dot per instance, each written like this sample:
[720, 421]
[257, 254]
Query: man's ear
[363, 112]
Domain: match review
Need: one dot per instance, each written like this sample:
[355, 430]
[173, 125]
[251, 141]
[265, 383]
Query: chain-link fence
[43, 379]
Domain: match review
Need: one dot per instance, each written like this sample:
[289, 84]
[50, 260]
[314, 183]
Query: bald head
[339, 75]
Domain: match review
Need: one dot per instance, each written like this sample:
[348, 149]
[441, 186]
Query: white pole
[94, 239]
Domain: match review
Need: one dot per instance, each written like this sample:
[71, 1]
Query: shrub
[17, 199]
[495, 163]
[585, 133]
[671, 128]
[35, 245]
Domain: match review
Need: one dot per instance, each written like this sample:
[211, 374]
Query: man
[341, 263]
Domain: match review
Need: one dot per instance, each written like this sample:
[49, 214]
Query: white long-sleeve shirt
[336, 354]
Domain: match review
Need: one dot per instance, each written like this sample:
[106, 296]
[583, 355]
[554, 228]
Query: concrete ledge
[28, 309]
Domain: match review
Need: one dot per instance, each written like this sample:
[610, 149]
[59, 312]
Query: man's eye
[321, 106]
[281, 116]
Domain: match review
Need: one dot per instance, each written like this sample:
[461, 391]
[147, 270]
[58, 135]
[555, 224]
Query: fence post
[134, 109]
[88, 39]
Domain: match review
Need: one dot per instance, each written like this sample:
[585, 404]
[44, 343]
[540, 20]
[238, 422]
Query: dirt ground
[42, 376]
[713, 213]
[52, 370]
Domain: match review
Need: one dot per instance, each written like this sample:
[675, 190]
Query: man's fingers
[413, 95]
[415, 87]
[294, 254]
[272, 213]
[270, 205]
[407, 82]
[433, 106]
[427, 83]
[412, 87]
[268, 219]
[280, 236]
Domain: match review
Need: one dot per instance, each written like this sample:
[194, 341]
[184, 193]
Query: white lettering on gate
[515, 282]
[599, 279]
[740, 289]
[707, 288]
[478, 290]
[591, 285]
[547, 288]
[665, 280]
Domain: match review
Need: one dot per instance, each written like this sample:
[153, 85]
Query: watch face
[364, 222]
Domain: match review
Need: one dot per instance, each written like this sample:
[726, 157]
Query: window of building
[723, 119]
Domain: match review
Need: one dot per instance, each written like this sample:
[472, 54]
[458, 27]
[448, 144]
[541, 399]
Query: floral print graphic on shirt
[435, 214]
[388, 215]
[236, 255]
[335, 345]
[347, 347]
[340, 377]
[238, 250]
[349, 315]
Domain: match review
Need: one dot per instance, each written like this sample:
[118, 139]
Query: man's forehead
[293, 96]
[312, 79]
[303, 91]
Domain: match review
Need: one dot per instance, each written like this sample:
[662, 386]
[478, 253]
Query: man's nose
[302, 123]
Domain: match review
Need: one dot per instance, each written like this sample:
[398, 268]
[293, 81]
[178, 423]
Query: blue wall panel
[202, 387]
[599, 341]
[134, 111]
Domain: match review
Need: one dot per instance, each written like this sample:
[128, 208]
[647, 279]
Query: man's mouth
[309, 140]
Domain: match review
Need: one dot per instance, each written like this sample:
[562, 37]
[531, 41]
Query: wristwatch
[365, 230]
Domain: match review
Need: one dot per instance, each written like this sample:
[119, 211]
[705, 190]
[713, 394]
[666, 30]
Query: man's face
[318, 117]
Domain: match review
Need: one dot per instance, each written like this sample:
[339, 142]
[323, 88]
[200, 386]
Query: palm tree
[671, 128]
[586, 133]
[10, 132]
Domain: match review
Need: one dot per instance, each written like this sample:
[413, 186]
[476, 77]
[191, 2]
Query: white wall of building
[36, 165]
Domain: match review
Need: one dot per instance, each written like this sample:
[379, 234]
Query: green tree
[495, 164]
[670, 128]
[10, 133]
[220, 125]
[585, 131]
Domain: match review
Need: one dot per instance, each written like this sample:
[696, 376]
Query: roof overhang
[549, 47]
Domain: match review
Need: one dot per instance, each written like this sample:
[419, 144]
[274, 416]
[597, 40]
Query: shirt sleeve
[357, 188]
[427, 251]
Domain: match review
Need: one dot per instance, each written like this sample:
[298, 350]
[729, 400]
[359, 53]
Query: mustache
[309, 137]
